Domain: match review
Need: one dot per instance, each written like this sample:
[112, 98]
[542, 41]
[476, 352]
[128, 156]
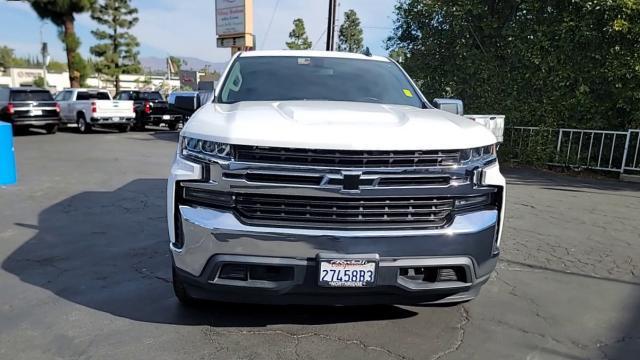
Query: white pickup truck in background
[88, 108]
[495, 123]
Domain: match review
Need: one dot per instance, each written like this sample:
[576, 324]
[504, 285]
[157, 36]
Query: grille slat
[345, 158]
[374, 212]
[344, 211]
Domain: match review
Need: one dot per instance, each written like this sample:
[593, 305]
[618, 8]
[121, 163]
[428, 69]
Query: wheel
[83, 125]
[20, 130]
[124, 128]
[180, 290]
[172, 126]
[51, 128]
[139, 125]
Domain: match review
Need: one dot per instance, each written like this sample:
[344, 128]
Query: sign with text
[231, 17]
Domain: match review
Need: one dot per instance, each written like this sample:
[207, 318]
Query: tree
[6, 57]
[177, 62]
[298, 37]
[62, 14]
[38, 82]
[541, 63]
[350, 34]
[118, 54]
[398, 55]
[56, 66]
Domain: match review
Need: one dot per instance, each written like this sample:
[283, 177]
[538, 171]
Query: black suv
[151, 109]
[29, 107]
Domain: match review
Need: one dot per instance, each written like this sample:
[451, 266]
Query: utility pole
[331, 25]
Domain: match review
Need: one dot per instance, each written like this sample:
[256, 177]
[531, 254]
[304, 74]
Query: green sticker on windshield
[407, 93]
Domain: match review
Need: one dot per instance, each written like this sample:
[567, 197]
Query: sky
[186, 28]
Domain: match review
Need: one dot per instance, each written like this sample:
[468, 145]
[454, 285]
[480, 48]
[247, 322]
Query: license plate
[35, 112]
[166, 117]
[347, 272]
[116, 119]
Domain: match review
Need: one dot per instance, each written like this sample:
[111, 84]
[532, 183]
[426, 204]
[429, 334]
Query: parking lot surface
[86, 273]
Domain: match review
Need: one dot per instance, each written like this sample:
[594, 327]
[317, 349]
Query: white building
[14, 77]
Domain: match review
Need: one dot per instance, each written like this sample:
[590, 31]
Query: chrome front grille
[336, 212]
[345, 158]
[369, 180]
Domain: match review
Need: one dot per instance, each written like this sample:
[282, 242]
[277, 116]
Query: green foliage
[56, 66]
[350, 34]
[398, 55]
[39, 82]
[298, 37]
[6, 57]
[178, 63]
[117, 52]
[8, 60]
[534, 147]
[541, 63]
[62, 14]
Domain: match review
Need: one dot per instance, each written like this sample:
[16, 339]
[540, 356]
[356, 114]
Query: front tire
[124, 128]
[83, 126]
[180, 290]
[172, 126]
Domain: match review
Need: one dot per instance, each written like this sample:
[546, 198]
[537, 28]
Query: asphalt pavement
[85, 273]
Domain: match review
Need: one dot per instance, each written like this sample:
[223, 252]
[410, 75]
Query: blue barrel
[7, 155]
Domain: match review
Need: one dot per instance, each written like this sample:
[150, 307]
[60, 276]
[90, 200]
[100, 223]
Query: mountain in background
[157, 64]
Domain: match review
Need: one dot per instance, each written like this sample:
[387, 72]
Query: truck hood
[335, 125]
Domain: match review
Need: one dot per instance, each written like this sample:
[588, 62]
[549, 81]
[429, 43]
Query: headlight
[204, 150]
[480, 153]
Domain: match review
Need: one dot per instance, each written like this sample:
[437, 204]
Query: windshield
[86, 95]
[155, 96]
[281, 78]
[31, 96]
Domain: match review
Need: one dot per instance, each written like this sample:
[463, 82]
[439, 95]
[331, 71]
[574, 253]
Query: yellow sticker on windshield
[407, 92]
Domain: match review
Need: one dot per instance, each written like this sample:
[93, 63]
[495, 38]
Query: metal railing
[594, 149]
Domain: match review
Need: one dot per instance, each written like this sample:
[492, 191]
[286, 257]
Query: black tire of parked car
[139, 125]
[83, 126]
[51, 128]
[20, 130]
[172, 126]
[124, 128]
[180, 291]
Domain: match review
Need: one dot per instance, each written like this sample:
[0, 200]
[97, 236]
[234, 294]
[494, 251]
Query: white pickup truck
[88, 108]
[327, 177]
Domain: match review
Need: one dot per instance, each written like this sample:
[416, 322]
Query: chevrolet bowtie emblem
[351, 182]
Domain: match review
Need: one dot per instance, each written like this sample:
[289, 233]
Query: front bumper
[212, 238]
[215, 238]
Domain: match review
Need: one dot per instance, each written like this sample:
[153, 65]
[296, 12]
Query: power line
[273, 15]
[318, 40]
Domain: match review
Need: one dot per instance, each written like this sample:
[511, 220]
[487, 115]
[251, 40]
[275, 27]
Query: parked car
[89, 108]
[184, 103]
[151, 109]
[326, 177]
[27, 107]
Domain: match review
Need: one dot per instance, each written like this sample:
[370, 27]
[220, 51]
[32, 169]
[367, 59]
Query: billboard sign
[231, 17]
[188, 79]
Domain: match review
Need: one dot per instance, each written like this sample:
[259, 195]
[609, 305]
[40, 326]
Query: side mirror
[450, 105]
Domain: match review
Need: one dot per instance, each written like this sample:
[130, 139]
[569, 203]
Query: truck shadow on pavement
[108, 251]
